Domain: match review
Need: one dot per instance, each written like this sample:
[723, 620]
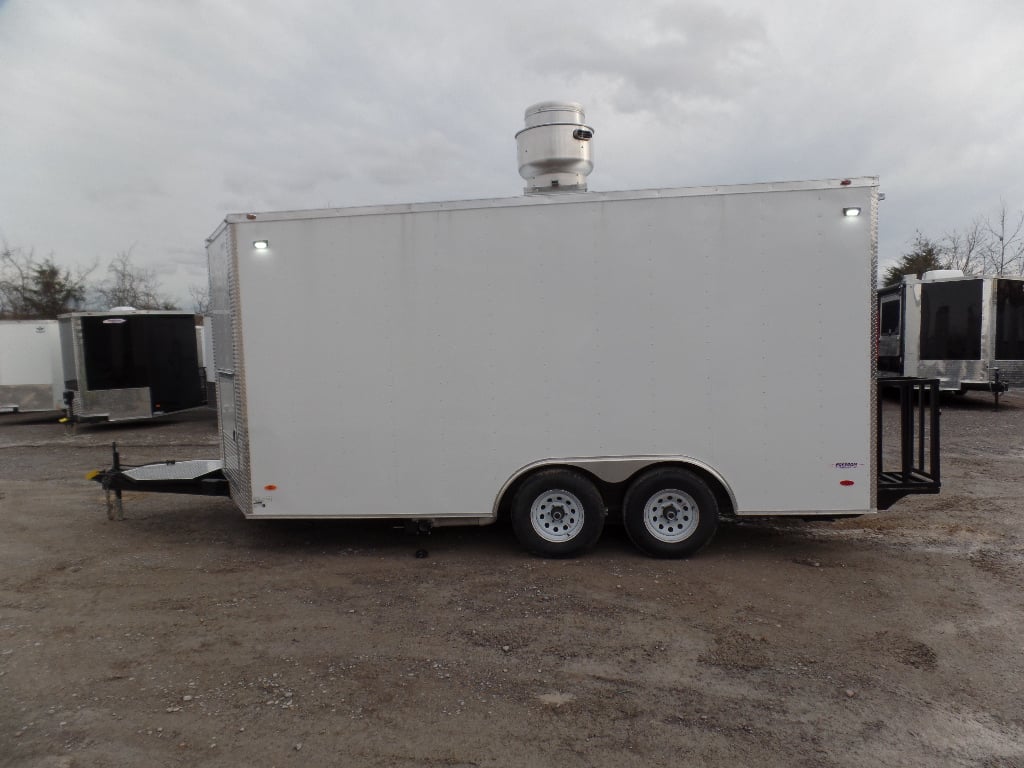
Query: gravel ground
[187, 635]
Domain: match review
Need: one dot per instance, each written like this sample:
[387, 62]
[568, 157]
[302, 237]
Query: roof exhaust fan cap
[554, 148]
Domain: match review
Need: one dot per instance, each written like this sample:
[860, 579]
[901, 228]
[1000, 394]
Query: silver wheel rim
[671, 515]
[557, 515]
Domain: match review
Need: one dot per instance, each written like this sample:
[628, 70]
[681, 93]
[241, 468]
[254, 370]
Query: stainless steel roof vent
[554, 148]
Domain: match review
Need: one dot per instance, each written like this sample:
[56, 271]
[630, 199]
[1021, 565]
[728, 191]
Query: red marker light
[846, 482]
[270, 487]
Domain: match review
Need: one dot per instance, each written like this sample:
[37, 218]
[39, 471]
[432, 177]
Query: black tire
[558, 513]
[670, 512]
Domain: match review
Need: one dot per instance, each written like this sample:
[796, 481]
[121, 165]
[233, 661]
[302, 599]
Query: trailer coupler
[198, 477]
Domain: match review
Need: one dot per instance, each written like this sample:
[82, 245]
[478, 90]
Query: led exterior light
[262, 245]
[851, 211]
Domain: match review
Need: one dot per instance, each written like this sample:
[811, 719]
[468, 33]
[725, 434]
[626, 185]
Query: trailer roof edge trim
[128, 313]
[563, 198]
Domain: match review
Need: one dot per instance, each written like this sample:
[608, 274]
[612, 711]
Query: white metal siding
[30, 365]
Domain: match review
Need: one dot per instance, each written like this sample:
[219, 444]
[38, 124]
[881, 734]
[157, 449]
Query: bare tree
[200, 298]
[32, 289]
[965, 250]
[132, 286]
[990, 245]
[1004, 245]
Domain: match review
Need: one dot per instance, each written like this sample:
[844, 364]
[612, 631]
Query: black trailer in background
[130, 365]
[967, 332]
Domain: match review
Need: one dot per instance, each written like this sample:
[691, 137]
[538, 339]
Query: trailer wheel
[670, 512]
[558, 513]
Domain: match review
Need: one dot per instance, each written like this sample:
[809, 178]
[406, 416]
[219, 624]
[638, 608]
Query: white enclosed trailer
[553, 357]
[30, 370]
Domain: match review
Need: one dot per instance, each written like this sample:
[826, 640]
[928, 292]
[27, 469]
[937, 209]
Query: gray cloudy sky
[137, 123]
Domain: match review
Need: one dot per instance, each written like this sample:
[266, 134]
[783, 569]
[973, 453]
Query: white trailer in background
[554, 357]
[966, 331]
[30, 371]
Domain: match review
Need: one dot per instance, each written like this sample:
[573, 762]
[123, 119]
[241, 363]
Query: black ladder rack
[919, 440]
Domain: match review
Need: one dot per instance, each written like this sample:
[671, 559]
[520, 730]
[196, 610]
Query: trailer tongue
[198, 477]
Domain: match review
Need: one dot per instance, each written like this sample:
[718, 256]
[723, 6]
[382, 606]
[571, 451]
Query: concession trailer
[564, 357]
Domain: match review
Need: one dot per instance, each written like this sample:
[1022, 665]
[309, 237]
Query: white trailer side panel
[30, 366]
[406, 361]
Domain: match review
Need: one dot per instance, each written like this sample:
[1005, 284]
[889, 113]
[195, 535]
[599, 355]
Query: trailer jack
[418, 527]
[197, 477]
